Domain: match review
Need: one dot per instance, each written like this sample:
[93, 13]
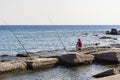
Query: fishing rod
[18, 40]
[16, 37]
[58, 36]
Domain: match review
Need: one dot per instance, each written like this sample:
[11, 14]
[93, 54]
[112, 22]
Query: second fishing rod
[58, 36]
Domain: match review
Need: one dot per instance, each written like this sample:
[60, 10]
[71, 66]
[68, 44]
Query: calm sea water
[46, 37]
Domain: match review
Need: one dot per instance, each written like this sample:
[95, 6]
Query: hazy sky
[75, 12]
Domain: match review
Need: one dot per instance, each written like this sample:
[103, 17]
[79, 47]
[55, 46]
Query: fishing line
[16, 37]
[18, 40]
[34, 40]
[58, 36]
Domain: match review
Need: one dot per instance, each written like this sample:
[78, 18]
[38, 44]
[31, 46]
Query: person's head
[78, 39]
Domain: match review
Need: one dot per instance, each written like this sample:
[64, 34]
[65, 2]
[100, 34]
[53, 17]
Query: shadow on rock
[107, 57]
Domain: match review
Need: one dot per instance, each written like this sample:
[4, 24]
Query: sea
[18, 38]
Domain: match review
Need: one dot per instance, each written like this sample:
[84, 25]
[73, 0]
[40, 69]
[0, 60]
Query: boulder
[12, 66]
[108, 32]
[74, 59]
[107, 73]
[113, 77]
[41, 63]
[113, 32]
[112, 57]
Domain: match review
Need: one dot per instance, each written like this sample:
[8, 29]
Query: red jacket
[79, 43]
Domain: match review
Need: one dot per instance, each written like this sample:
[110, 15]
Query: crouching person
[79, 44]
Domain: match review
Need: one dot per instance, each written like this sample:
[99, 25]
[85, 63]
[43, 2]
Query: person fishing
[79, 44]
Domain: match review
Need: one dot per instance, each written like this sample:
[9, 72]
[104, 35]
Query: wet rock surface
[107, 73]
[115, 45]
[7, 58]
[22, 55]
[114, 77]
[105, 37]
[43, 53]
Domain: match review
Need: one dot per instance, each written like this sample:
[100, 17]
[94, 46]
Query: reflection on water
[84, 72]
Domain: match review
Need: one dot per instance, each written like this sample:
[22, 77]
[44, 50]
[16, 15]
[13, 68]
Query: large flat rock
[41, 63]
[73, 59]
[27, 63]
[11, 66]
[90, 50]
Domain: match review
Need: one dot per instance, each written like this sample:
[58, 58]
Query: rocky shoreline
[23, 63]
